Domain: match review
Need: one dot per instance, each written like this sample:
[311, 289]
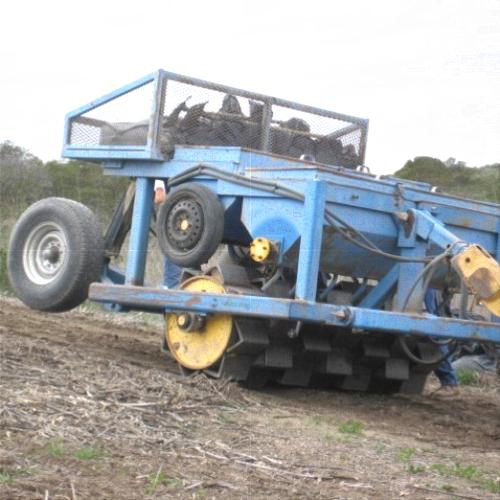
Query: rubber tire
[85, 255]
[213, 225]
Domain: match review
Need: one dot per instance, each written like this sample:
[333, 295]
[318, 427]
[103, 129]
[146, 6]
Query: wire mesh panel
[199, 115]
[313, 137]
[121, 122]
[194, 115]
[148, 118]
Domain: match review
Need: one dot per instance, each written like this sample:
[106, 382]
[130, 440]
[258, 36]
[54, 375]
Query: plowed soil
[90, 408]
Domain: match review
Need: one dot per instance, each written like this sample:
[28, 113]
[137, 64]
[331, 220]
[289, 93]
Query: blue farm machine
[300, 267]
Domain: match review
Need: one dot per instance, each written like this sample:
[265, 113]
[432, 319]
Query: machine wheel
[198, 341]
[55, 252]
[190, 225]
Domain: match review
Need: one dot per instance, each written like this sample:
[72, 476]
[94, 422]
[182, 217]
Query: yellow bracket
[481, 273]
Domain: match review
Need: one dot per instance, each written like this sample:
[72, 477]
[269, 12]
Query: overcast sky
[426, 73]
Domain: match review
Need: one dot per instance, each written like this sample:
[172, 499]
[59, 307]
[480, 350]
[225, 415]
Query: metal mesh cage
[197, 115]
[120, 122]
[155, 114]
[313, 137]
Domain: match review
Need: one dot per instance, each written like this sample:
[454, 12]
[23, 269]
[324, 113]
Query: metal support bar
[382, 290]
[160, 300]
[431, 229]
[267, 115]
[138, 245]
[408, 271]
[157, 109]
[310, 240]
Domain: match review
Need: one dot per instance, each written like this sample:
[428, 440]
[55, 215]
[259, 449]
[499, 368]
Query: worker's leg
[445, 371]
[171, 274]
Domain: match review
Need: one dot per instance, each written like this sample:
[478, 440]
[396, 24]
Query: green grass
[8, 476]
[353, 427]
[406, 454]
[57, 448]
[416, 468]
[448, 487]
[467, 377]
[161, 479]
[457, 470]
[5, 477]
[492, 485]
[469, 472]
[329, 437]
[318, 420]
[89, 453]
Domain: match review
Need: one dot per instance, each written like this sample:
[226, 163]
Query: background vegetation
[481, 183]
[24, 179]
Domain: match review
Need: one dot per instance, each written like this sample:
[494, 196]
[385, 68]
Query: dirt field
[91, 409]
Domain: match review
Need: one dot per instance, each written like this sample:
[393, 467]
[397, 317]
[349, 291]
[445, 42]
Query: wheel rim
[185, 224]
[45, 253]
[197, 349]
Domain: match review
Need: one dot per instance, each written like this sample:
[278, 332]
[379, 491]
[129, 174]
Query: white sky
[426, 72]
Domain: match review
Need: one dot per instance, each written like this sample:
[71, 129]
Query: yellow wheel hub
[199, 349]
[260, 249]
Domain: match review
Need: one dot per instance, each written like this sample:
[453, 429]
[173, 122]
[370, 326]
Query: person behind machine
[445, 372]
[171, 271]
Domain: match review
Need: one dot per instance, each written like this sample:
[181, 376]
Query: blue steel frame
[161, 301]
[147, 152]
[303, 307]
[372, 204]
[427, 230]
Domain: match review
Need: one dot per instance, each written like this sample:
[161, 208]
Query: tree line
[481, 183]
[24, 179]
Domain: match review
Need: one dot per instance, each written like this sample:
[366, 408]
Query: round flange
[198, 349]
[45, 253]
[185, 224]
[261, 249]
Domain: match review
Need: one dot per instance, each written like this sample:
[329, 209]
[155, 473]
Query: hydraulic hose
[280, 190]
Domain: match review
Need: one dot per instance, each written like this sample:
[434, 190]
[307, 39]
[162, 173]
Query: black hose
[420, 361]
[429, 270]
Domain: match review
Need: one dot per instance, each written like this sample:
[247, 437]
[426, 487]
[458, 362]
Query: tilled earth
[91, 409]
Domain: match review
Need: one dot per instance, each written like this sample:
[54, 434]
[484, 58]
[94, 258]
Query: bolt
[182, 320]
[340, 314]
